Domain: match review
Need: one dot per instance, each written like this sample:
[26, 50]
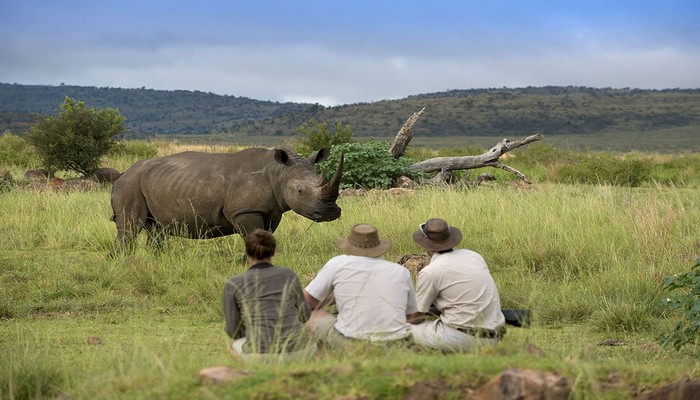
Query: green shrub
[77, 138]
[684, 297]
[605, 168]
[316, 136]
[16, 151]
[6, 181]
[368, 165]
[682, 169]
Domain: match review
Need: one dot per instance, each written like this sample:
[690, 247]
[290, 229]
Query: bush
[316, 136]
[368, 165]
[6, 181]
[684, 297]
[605, 168]
[77, 138]
[16, 151]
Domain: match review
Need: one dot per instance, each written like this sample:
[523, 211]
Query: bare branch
[512, 170]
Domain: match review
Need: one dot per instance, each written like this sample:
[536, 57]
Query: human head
[364, 241]
[260, 244]
[436, 235]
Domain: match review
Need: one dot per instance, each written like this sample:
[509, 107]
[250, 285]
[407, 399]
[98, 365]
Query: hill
[148, 112]
[501, 112]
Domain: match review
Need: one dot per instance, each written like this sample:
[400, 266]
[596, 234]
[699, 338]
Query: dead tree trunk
[446, 164]
[488, 159]
[398, 147]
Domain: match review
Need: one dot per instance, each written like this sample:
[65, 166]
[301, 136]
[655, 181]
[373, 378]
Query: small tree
[316, 135]
[77, 138]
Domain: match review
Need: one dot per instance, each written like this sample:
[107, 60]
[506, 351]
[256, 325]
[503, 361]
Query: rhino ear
[320, 156]
[281, 156]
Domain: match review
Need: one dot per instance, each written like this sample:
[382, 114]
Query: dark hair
[260, 244]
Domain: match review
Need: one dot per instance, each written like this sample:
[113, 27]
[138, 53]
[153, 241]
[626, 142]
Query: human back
[463, 288]
[264, 307]
[371, 295]
[271, 307]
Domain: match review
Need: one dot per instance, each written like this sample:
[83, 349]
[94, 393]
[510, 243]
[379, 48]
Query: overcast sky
[341, 52]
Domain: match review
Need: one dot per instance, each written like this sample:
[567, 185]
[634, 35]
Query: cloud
[333, 62]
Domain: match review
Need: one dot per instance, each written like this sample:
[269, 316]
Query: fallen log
[488, 159]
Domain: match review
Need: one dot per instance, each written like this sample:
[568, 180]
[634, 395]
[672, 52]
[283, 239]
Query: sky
[336, 52]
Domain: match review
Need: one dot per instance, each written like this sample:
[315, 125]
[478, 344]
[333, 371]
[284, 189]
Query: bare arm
[310, 300]
[415, 318]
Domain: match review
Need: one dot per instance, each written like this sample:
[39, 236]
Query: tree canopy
[77, 138]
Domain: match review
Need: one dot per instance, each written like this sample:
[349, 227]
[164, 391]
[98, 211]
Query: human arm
[311, 300]
[415, 318]
[233, 322]
[426, 291]
[320, 288]
[413, 315]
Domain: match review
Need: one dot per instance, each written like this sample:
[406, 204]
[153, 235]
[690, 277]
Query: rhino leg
[129, 223]
[155, 233]
[248, 222]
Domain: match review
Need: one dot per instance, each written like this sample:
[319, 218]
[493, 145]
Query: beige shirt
[460, 285]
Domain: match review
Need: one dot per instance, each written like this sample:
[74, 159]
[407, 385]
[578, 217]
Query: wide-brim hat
[436, 235]
[364, 241]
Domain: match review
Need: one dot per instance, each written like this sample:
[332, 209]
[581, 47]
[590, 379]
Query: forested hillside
[148, 112]
[478, 112]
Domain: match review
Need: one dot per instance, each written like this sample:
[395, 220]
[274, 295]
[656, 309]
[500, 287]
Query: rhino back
[185, 185]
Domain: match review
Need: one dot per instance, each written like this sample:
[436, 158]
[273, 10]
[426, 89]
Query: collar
[261, 265]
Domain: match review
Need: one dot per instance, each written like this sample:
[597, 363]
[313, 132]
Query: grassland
[588, 260]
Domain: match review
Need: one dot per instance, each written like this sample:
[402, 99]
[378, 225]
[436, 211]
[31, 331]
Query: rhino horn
[330, 190]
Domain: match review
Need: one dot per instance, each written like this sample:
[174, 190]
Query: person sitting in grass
[458, 283]
[264, 307]
[374, 297]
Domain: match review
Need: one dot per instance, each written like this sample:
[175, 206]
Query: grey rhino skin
[207, 195]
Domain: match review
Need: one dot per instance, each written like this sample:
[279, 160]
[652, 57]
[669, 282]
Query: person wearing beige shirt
[458, 283]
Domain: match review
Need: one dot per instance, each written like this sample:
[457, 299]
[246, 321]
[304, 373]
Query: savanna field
[587, 253]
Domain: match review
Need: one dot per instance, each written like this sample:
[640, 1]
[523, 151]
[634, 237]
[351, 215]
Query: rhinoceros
[208, 195]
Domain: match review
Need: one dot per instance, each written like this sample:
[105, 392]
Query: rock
[36, 174]
[55, 183]
[682, 390]
[514, 384]
[80, 184]
[423, 391]
[406, 183]
[94, 341]
[106, 175]
[414, 262]
[222, 374]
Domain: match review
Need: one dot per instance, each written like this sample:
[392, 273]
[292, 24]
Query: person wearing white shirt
[374, 297]
[457, 282]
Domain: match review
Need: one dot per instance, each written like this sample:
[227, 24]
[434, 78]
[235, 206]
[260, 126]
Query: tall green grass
[588, 260]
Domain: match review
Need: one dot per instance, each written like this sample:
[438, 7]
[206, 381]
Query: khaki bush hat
[436, 235]
[364, 241]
